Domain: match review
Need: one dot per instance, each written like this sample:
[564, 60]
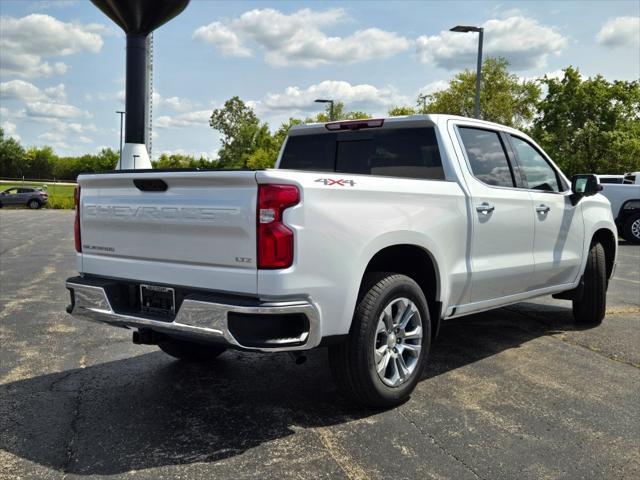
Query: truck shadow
[149, 411]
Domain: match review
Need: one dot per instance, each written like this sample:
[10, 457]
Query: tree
[504, 98]
[590, 126]
[241, 131]
[38, 162]
[11, 156]
[399, 111]
[338, 114]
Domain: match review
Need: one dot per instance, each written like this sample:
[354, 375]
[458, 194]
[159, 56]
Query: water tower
[138, 18]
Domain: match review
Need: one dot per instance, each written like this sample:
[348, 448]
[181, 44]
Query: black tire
[590, 309]
[353, 363]
[628, 229]
[190, 351]
[34, 204]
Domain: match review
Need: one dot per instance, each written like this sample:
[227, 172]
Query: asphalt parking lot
[514, 393]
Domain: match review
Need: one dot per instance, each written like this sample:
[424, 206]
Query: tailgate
[199, 232]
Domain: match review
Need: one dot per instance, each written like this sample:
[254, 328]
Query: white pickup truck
[366, 236]
[623, 192]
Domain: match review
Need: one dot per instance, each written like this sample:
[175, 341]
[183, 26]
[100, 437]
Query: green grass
[60, 196]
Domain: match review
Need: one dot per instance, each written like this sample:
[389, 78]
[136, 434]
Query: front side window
[536, 172]
[487, 157]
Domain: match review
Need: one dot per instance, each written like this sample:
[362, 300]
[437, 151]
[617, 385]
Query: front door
[559, 228]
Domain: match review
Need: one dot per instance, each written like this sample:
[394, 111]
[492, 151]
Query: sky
[62, 62]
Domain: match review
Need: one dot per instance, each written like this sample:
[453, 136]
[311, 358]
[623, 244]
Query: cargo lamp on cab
[355, 124]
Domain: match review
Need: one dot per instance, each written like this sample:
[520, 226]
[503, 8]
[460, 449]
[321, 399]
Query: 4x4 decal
[336, 181]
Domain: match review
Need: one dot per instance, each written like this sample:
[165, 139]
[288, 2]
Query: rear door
[180, 228]
[502, 216]
[559, 227]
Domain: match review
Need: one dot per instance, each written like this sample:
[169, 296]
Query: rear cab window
[392, 152]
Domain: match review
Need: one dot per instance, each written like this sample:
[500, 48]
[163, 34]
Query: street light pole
[120, 156]
[330, 102]
[480, 31]
[479, 71]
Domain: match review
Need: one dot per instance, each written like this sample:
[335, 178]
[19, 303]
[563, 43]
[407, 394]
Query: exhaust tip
[298, 358]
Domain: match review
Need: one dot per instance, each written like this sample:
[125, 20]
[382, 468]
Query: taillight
[76, 224]
[275, 239]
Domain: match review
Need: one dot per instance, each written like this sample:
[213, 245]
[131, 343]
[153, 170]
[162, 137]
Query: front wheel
[189, 351]
[382, 360]
[631, 229]
[590, 309]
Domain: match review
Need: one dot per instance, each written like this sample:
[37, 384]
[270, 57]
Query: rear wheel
[382, 360]
[590, 309]
[631, 229]
[189, 351]
[34, 204]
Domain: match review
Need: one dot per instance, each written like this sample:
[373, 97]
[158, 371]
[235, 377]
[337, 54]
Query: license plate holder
[157, 300]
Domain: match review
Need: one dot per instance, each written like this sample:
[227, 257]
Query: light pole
[121, 116]
[480, 30]
[330, 102]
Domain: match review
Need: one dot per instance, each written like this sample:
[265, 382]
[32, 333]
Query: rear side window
[402, 152]
[611, 180]
[487, 157]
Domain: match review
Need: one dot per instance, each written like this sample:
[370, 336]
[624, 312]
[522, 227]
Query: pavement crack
[435, 442]
[75, 419]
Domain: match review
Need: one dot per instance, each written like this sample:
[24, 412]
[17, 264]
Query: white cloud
[177, 103]
[189, 119]
[26, 91]
[54, 110]
[223, 38]
[524, 42]
[355, 97]
[298, 39]
[26, 41]
[620, 32]
[10, 130]
[433, 87]
[52, 137]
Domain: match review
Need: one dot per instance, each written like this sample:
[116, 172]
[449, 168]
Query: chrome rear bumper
[197, 318]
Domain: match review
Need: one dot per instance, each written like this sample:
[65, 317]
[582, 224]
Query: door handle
[485, 209]
[542, 208]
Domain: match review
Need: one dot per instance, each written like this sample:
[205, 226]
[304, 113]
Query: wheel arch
[608, 240]
[417, 263]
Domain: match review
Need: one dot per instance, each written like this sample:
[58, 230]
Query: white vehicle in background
[623, 192]
[366, 236]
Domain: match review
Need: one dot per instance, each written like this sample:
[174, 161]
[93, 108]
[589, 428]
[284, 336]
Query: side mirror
[584, 185]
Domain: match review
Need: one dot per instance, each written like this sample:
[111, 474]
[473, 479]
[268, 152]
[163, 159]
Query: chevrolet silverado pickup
[366, 236]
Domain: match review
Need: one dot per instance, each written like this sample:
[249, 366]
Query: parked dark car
[29, 197]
